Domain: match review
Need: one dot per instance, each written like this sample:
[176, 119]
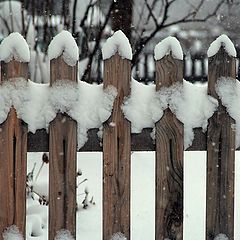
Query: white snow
[141, 107]
[63, 95]
[94, 107]
[12, 233]
[228, 90]
[169, 45]
[192, 106]
[14, 46]
[221, 236]
[190, 102]
[118, 236]
[89, 222]
[63, 235]
[64, 44]
[118, 43]
[91, 105]
[224, 41]
[37, 104]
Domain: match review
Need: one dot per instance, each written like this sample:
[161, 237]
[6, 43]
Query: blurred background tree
[194, 22]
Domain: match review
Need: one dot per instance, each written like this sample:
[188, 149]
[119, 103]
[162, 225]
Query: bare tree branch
[6, 24]
[97, 44]
[190, 17]
[151, 13]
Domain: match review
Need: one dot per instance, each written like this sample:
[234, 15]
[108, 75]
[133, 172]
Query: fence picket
[62, 160]
[220, 154]
[169, 159]
[13, 159]
[117, 153]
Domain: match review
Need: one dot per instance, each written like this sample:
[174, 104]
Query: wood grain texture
[169, 159]
[117, 153]
[62, 161]
[13, 159]
[14, 69]
[220, 155]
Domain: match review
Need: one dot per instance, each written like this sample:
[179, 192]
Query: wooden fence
[117, 145]
[195, 68]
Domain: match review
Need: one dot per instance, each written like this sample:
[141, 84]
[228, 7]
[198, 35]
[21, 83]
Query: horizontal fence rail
[39, 142]
[116, 144]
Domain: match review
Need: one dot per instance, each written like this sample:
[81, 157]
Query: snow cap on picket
[14, 46]
[64, 44]
[117, 43]
[224, 41]
[167, 45]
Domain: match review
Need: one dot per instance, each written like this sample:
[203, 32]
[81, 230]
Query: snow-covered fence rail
[68, 113]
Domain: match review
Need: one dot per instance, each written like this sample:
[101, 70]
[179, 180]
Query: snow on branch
[64, 44]
[222, 41]
[167, 46]
[89, 104]
[117, 43]
[14, 46]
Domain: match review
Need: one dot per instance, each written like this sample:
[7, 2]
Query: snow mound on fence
[12, 233]
[224, 41]
[91, 105]
[14, 46]
[63, 235]
[141, 107]
[167, 46]
[13, 93]
[37, 104]
[64, 44]
[190, 102]
[228, 90]
[117, 43]
[192, 106]
[93, 108]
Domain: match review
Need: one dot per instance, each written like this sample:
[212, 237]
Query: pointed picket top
[222, 41]
[14, 47]
[64, 44]
[167, 46]
[117, 43]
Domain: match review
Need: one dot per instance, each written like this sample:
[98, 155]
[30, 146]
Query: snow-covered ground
[143, 195]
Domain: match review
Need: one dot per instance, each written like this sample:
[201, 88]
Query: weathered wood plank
[13, 159]
[117, 153]
[220, 155]
[62, 160]
[169, 159]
